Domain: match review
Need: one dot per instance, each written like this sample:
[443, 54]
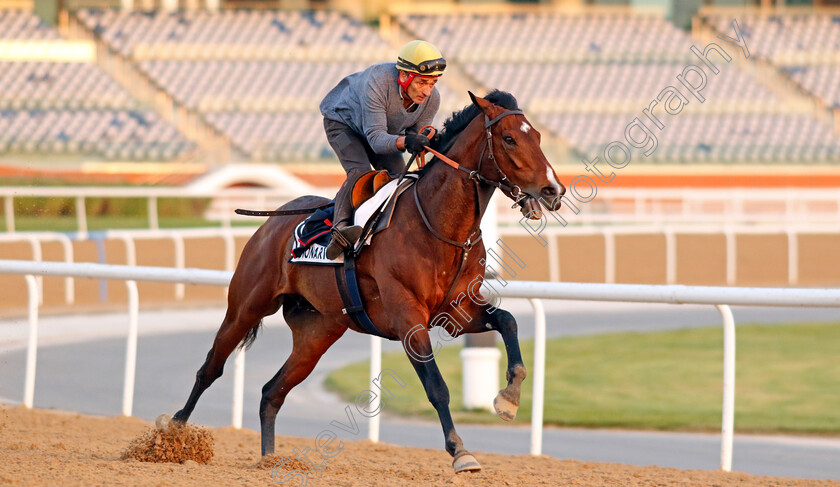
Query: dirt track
[55, 448]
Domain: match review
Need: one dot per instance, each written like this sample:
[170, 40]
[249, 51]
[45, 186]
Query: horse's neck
[448, 196]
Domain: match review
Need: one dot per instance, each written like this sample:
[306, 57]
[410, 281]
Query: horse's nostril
[548, 192]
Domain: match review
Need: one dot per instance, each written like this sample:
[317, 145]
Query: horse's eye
[509, 140]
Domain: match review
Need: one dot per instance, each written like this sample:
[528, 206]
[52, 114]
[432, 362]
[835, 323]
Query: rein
[514, 192]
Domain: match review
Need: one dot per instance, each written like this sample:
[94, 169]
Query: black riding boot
[344, 233]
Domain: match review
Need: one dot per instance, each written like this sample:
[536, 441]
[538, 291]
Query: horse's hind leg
[312, 335]
[240, 319]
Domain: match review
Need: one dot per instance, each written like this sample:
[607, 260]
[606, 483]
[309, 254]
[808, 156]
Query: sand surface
[56, 448]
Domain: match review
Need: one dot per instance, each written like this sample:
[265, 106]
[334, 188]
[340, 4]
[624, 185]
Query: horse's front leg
[419, 350]
[486, 318]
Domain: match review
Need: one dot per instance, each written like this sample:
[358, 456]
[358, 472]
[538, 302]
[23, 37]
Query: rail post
[9, 211]
[32, 344]
[539, 377]
[154, 222]
[375, 370]
[728, 419]
[130, 347]
[238, 387]
[180, 259]
[81, 215]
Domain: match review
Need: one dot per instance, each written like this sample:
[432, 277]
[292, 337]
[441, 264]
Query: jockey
[372, 116]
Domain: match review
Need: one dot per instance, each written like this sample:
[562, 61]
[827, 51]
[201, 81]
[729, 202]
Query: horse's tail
[250, 337]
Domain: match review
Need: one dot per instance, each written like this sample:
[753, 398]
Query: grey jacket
[369, 102]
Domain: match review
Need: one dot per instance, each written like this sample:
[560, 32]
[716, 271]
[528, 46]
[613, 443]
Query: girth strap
[348, 289]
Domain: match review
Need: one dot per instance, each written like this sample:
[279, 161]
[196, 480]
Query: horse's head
[514, 148]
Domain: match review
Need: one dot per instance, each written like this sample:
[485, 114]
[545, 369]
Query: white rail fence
[730, 233]
[792, 233]
[222, 206]
[612, 206]
[130, 238]
[535, 292]
[701, 205]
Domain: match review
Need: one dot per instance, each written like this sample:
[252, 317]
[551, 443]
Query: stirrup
[342, 239]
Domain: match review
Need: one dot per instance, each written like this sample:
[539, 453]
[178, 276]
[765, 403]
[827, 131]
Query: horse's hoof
[504, 408]
[162, 422]
[466, 463]
[179, 417]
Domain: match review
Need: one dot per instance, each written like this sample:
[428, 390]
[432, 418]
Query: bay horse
[406, 274]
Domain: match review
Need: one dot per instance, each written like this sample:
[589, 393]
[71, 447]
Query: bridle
[511, 190]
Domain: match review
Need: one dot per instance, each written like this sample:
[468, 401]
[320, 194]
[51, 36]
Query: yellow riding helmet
[421, 57]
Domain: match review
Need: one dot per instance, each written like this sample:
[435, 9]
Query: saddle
[374, 199]
[367, 185]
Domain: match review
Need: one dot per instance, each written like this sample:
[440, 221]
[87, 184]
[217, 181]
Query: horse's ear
[481, 103]
[472, 97]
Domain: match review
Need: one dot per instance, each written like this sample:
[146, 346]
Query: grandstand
[610, 87]
[550, 37]
[72, 109]
[820, 80]
[713, 138]
[804, 45]
[788, 38]
[611, 65]
[117, 135]
[257, 77]
[23, 25]
[244, 84]
[51, 85]
[237, 34]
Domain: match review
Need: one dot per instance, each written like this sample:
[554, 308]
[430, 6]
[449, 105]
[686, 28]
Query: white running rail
[730, 233]
[535, 292]
[671, 234]
[702, 205]
[129, 238]
[774, 206]
[229, 199]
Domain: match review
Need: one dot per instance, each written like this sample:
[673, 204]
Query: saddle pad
[312, 236]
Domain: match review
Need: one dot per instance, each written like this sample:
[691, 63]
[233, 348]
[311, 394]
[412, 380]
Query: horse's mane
[459, 120]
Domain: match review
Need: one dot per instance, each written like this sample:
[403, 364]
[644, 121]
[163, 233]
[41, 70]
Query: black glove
[416, 143]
